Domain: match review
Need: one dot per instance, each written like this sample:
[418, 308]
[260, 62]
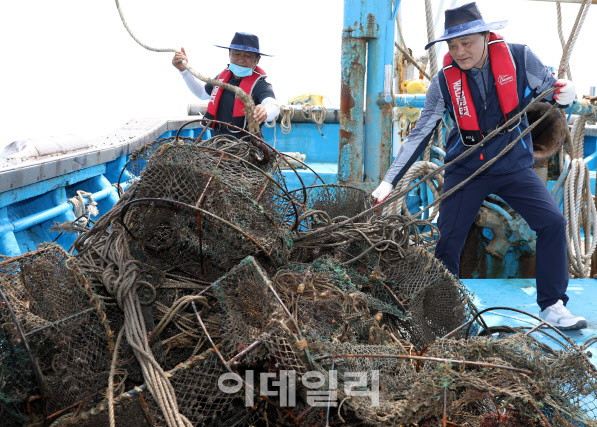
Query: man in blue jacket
[485, 82]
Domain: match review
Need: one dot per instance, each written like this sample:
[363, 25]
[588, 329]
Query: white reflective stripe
[496, 41]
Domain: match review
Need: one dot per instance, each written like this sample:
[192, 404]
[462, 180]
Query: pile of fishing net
[212, 294]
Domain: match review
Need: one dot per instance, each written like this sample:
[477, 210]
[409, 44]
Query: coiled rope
[316, 114]
[579, 205]
[416, 171]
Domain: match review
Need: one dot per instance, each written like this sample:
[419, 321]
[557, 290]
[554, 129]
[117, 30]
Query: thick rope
[416, 171]
[80, 209]
[561, 32]
[253, 126]
[286, 119]
[579, 206]
[111, 415]
[430, 38]
[580, 19]
[121, 279]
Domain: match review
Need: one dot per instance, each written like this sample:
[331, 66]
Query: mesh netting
[236, 302]
[197, 203]
[54, 340]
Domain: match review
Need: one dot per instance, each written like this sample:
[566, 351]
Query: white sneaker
[560, 317]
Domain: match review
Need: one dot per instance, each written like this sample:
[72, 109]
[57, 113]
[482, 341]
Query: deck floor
[521, 294]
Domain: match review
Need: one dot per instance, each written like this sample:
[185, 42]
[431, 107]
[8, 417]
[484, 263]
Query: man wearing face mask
[485, 82]
[242, 71]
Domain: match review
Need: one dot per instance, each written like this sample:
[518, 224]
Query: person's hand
[259, 114]
[177, 59]
[382, 191]
[565, 93]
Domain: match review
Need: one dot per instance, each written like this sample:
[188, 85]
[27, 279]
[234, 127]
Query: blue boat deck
[521, 294]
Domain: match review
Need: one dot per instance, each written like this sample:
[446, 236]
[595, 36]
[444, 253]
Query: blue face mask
[239, 71]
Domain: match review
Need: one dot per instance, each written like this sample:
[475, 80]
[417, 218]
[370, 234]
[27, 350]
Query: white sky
[70, 67]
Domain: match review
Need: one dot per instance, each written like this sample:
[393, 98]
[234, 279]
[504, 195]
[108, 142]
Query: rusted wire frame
[571, 343]
[348, 236]
[247, 349]
[296, 325]
[425, 359]
[127, 206]
[468, 323]
[215, 347]
[36, 369]
[324, 185]
[437, 171]
[138, 390]
[267, 176]
[255, 140]
[161, 140]
[198, 204]
[271, 148]
[280, 154]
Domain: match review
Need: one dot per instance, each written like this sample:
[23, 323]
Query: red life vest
[504, 73]
[247, 84]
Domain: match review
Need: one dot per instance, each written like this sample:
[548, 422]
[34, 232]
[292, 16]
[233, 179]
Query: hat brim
[477, 29]
[245, 48]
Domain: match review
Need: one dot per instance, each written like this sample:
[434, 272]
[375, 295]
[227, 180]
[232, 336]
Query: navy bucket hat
[245, 41]
[464, 20]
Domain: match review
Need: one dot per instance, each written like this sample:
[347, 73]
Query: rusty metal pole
[367, 38]
[352, 96]
[379, 100]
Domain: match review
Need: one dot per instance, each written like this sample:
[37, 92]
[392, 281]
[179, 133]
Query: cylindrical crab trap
[203, 209]
[55, 342]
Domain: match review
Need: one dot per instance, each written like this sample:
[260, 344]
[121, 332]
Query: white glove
[382, 191]
[566, 92]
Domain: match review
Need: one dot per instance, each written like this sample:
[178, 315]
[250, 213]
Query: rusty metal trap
[55, 340]
[211, 294]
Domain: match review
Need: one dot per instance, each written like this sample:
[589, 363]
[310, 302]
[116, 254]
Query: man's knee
[449, 257]
[556, 222]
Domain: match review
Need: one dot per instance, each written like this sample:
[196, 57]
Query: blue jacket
[490, 115]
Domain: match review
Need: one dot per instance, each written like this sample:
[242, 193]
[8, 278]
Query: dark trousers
[526, 194]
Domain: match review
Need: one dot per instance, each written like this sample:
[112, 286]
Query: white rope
[83, 212]
[580, 19]
[286, 115]
[416, 172]
[316, 114]
[561, 32]
[272, 124]
[430, 38]
[579, 207]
